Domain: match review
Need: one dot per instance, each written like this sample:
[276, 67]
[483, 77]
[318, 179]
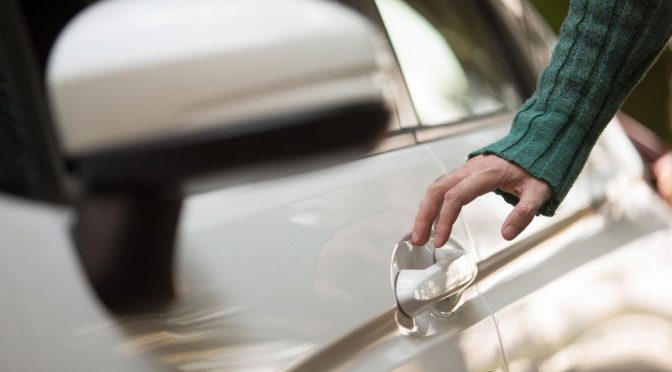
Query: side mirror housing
[141, 76]
[148, 95]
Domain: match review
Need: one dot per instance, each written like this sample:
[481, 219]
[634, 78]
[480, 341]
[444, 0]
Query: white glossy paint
[278, 270]
[596, 298]
[128, 71]
[51, 321]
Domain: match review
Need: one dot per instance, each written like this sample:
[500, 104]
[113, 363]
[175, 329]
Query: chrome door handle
[441, 283]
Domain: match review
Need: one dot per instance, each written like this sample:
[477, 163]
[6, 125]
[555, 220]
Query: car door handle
[441, 283]
[424, 277]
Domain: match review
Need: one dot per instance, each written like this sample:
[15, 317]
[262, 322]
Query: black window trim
[474, 123]
[409, 118]
[427, 134]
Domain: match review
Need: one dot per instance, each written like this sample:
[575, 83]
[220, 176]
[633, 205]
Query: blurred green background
[650, 102]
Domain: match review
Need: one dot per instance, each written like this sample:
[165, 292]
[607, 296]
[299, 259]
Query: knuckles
[434, 188]
[452, 197]
[526, 211]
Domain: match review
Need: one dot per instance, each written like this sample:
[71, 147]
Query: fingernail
[438, 242]
[510, 232]
[414, 237]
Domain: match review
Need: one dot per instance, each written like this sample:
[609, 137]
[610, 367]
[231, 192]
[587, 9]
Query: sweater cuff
[557, 160]
[547, 209]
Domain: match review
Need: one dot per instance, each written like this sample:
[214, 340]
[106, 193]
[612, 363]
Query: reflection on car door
[50, 319]
[592, 295]
[279, 270]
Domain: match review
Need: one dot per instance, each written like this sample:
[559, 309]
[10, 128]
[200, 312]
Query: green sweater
[604, 49]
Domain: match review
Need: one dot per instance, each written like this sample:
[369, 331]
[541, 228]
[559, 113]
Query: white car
[283, 259]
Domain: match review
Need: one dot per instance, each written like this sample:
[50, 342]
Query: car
[298, 266]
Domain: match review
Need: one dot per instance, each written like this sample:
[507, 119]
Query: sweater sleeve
[604, 49]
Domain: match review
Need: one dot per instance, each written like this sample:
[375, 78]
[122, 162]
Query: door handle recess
[439, 285]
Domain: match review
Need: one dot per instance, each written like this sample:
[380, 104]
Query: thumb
[523, 213]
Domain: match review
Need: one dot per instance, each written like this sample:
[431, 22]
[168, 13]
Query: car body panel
[281, 268]
[51, 321]
[595, 297]
[465, 341]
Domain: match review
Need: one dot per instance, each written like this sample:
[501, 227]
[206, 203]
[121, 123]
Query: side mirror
[149, 95]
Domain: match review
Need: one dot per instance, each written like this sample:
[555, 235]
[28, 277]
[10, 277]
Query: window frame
[517, 64]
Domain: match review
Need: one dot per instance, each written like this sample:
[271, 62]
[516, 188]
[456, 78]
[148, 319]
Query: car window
[536, 39]
[450, 59]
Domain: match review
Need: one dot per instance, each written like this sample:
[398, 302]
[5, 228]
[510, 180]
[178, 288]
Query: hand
[481, 174]
[662, 169]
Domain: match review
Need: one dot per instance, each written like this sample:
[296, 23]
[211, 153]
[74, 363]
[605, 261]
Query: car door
[295, 272]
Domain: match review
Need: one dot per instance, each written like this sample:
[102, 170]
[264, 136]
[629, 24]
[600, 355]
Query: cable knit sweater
[604, 49]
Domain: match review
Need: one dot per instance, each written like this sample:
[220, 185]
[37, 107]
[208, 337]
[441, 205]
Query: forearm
[605, 47]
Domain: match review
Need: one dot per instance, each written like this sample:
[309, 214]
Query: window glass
[535, 37]
[449, 59]
[538, 36]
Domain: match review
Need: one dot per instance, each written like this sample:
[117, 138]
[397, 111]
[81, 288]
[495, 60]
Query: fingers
[662, 169]
[462, 194]
[445, 198]
[430, 205]
[532, 198]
